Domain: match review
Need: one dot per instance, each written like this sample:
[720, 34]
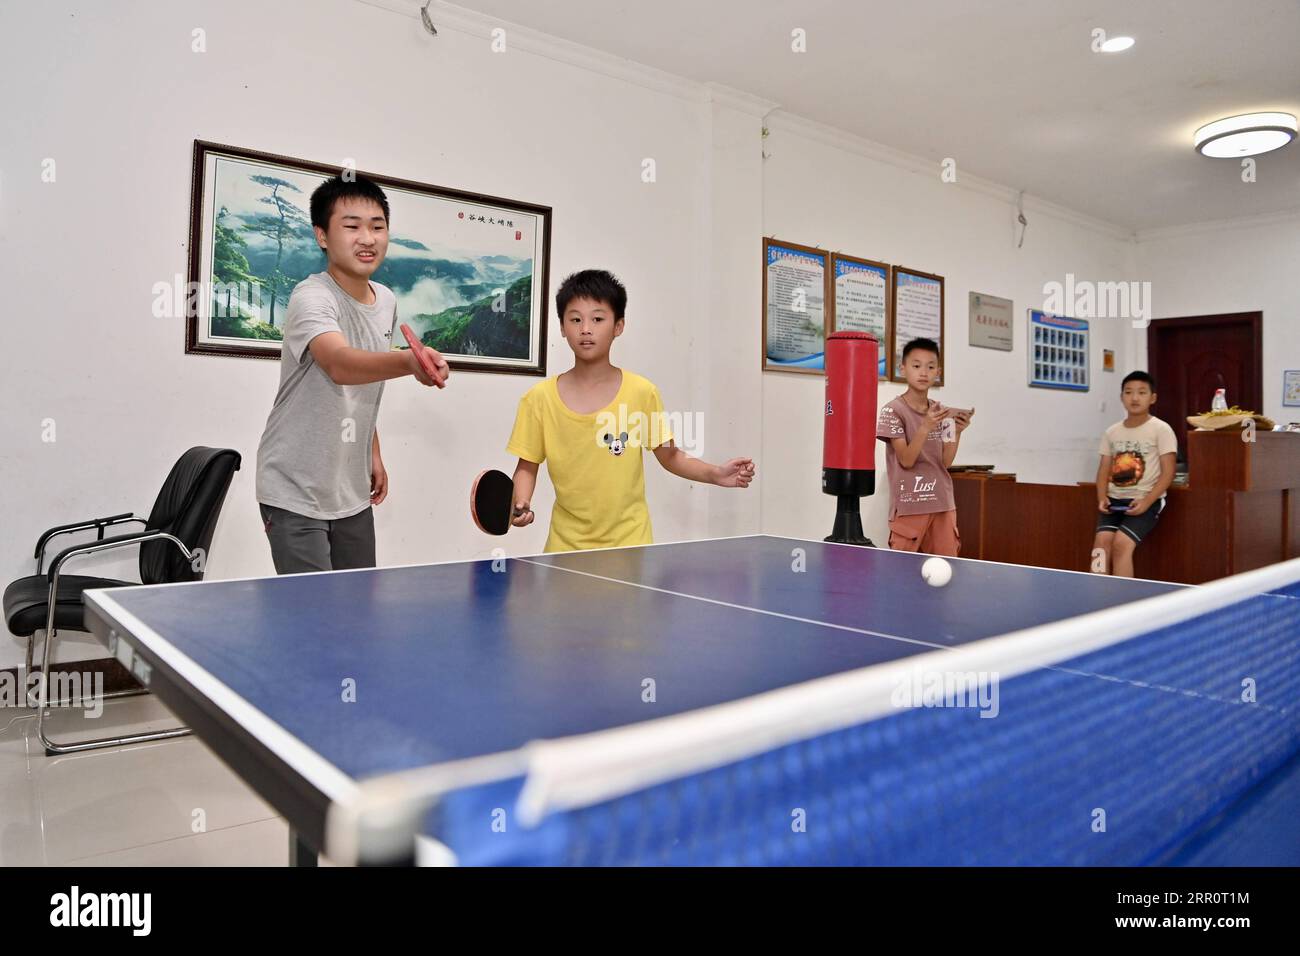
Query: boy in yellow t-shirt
[590, 425]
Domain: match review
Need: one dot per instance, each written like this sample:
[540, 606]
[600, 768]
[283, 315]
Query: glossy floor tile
[170, 801]
[264, 843]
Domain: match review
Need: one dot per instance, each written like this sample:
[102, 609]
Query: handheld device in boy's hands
[426, 363]
[1121, 506]
[960, 416]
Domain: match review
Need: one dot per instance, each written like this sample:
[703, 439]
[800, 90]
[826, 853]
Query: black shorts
[1136, 527]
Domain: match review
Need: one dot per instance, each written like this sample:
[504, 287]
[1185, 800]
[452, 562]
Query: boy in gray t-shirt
[319, 470]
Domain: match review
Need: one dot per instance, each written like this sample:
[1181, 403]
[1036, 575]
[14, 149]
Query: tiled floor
[164, 803]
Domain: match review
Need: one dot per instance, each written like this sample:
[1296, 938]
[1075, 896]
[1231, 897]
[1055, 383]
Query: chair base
[55, 747]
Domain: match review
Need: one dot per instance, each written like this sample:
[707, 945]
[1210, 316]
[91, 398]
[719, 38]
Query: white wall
[728, 333]
[1245, 266]
[828, 190]
[114, 94]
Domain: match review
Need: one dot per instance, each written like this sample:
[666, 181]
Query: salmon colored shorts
[934, 533]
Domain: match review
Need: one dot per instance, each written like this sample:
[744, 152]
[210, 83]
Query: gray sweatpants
[299, 543]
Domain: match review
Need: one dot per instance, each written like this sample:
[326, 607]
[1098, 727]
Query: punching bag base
[848, 523]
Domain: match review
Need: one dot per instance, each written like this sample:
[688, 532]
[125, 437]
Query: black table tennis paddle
[491, 501]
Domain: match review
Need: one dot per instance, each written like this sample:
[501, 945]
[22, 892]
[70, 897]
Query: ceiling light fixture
[1117, 44]
[1246, 135]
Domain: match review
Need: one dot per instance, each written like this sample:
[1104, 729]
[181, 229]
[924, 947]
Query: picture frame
[1291, 388]
[861, 302]
[796, 290]
[470, 271]
[920, 316]
[1058, 352]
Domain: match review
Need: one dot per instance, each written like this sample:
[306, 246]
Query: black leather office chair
[173, 547]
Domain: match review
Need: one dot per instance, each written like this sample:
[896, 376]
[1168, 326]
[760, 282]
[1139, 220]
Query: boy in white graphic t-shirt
[1138, 459]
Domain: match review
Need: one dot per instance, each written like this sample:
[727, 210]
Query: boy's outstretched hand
[436, 362]
[737, 473]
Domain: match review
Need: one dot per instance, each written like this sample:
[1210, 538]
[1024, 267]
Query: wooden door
[1191, 357]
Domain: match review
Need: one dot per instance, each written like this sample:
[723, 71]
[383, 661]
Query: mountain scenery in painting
[459, 301]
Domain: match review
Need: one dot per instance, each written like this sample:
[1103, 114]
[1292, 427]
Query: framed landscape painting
[469, 271]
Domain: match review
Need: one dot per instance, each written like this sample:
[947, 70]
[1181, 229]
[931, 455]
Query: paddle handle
[421, 356]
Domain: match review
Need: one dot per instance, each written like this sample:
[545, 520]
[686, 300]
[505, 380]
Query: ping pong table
[749, 700]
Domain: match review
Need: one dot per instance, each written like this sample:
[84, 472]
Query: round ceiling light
[1117, 44]
[1246, 135]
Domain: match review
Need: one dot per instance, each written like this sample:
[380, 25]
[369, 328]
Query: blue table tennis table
[749, 700]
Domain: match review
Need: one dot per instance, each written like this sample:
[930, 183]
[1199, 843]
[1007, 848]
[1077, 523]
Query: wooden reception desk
[1240, 510]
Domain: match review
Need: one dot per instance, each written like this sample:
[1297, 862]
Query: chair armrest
[108, 544]
[99, 524]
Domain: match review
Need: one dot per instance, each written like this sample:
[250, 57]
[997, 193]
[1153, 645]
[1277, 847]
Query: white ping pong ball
[937, 572]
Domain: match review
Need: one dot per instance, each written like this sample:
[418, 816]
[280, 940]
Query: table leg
[300, 852]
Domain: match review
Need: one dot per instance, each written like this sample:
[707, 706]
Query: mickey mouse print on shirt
[616, 445]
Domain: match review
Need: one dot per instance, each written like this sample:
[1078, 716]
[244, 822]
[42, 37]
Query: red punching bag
[849, 440]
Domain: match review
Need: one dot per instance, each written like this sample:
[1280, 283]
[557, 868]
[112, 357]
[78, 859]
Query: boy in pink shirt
[919, 447]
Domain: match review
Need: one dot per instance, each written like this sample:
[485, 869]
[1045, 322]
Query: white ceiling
[1008, 88]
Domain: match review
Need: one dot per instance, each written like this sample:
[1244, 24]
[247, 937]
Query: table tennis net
[1118, 756]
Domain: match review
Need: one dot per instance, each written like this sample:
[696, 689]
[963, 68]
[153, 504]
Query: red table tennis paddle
[426, 363]
[491, 502]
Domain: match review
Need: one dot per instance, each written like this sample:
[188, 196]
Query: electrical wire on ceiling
[1020, 218]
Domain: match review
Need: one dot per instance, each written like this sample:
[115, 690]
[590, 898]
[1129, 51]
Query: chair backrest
[187, 507]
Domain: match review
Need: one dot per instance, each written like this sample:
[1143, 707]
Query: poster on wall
[861, 301]
[794, 307]
[469, 271]
[991, 322]
[1058, 352]
[918, 313]
[1291, 387]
